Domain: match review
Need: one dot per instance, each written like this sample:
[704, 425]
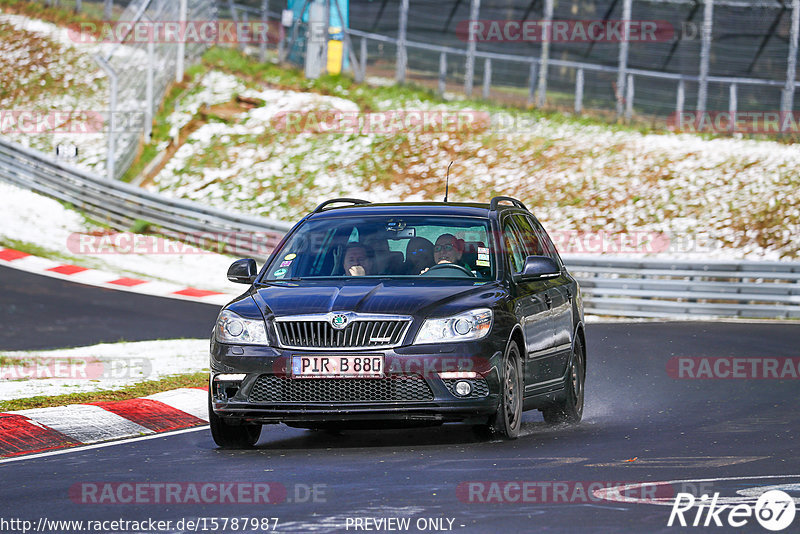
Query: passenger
[419, 255]
[358, 260]
[380, 246]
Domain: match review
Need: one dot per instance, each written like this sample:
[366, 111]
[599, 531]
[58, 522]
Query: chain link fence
[140, 65]
[719, 55]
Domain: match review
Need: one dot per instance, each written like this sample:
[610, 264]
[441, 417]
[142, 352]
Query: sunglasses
[439, 248]
[419, 251]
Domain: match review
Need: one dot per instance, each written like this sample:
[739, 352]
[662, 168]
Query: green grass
[368, 98]
[141, 389]
[42, 252]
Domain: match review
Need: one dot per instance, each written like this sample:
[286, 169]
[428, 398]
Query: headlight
[233, 328]
[466, 326]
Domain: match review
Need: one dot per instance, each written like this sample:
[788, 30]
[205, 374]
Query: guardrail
[120, 205]
[617, 287]
[686, 289]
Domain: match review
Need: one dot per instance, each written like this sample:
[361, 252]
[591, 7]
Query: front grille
[358, 334]
[479, 387]
[271, 388]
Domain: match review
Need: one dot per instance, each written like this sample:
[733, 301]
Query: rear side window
[530, 239]
[548, 248]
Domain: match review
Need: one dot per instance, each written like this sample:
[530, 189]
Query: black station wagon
[371, 315]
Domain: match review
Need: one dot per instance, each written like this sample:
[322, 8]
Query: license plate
[337, 366]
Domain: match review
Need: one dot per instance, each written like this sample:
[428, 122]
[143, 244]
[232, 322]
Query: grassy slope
[577, 173]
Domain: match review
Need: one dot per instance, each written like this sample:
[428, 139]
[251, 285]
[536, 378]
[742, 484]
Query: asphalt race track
[641, 425]
[39, 312]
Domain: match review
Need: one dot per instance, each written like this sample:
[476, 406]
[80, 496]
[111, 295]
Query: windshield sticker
[483, 250]
[483, 257]
[395, 225]
[482, 263]
[290, 257]
[286, 263]
[280, 273]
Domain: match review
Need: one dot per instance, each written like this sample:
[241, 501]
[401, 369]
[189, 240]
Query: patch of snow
[103, 367]
[40, 220]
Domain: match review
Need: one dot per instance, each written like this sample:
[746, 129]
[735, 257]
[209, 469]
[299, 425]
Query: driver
[448, 249]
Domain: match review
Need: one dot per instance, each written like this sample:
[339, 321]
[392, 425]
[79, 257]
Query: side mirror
[539, 267]
[243, 271]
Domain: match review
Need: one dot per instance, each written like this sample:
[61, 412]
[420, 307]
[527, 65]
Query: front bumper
[240, 400]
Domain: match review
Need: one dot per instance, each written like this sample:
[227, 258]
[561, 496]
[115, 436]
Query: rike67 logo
[774, 510]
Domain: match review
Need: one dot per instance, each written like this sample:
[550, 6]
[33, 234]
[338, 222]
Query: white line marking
[101, 445]
[615, 494]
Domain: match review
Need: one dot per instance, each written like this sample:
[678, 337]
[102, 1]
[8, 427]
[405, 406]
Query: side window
[530, 239]
[514, 247]
[548, 248]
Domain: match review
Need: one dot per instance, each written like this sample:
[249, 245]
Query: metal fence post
[107, 9]
[78, 6]
[361, 73]
[402, 58]
[149, 97]
[623, 55]
[469, 70]
[629, 98]
[181, 52]
[264, 29]
[487, 77]
[681, 97]
[548, 19]
[442, 72]
[579, 91]
[348, 43]
[112, 122]
[705, 55]
[732, 105]
[532, 83]
[787, 98]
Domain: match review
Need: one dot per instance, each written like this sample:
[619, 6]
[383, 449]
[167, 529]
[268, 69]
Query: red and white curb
[46, 429]
[83, 275]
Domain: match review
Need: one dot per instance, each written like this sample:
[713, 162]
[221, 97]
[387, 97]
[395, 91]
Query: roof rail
[355, 201]
[496, 202]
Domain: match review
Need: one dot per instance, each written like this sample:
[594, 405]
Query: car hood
[371, 296]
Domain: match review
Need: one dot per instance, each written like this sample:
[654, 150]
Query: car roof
[412, 208]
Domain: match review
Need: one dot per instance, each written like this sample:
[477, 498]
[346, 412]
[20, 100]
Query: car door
[562, 291]
[553, 362]
[530, 307]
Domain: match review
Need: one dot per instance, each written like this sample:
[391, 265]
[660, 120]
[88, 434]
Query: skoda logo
[339, 321]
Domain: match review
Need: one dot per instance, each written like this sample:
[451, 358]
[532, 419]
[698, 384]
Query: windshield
[387, 246]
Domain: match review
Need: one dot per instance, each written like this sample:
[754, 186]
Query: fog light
[230, 377]
[463, 388]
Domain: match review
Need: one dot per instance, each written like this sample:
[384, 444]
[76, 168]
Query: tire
[570, 410]
[508, 420]
[227, 436]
